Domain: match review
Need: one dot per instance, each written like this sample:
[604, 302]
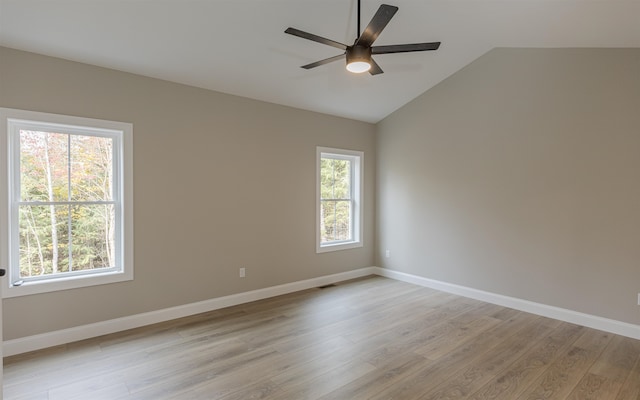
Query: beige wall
[221, 182]
[520, 175]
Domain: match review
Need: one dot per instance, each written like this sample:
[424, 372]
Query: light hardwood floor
[372, 338]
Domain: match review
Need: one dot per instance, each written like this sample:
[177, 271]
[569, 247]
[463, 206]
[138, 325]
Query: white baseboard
[562, 314]
[55, 338]
[49, 339]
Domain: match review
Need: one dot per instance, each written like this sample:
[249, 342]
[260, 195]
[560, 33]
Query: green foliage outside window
[335, 200]
[66, 209]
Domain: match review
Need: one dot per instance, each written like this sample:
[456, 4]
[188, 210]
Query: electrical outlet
[242, 272]
[387, 253]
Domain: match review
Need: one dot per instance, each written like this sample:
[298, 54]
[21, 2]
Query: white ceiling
[239, 46]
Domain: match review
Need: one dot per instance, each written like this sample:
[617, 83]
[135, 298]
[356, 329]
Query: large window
[69, 202]
[339, 199]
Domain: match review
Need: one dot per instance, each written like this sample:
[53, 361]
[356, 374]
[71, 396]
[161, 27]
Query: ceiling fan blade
[375, 68]
[404, 48]
[323, 62]
[377, 24]
[315, 38]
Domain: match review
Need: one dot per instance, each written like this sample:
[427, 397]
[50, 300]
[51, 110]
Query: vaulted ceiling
[239, 46]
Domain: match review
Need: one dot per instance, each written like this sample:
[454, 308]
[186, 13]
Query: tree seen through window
[336, 199]
[66, 207]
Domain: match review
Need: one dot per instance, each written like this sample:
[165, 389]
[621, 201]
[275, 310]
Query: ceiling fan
[358, 55]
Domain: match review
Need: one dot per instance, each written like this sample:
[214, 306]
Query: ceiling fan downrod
[358, 28]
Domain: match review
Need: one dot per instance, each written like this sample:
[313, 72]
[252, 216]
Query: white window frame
[357, 181]
[122, 133]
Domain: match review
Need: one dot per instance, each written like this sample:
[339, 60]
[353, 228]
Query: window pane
[44, 240]
[91, 168]
[43, 166]
[343, 220]
[327, 221]
[341, 179]
[93, 236]
[335, 221]
[335, 178]
[326, 178]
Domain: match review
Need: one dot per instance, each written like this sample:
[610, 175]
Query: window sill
[337, 247]
[53, 285]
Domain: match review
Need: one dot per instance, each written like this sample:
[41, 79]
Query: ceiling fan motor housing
[358, 53]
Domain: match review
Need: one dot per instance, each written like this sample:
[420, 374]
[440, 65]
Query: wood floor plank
[219, 378]
[444, 344]
[315, 365]
[595, 387]
[370, 338]
[411, 335]
[449, 367]
[520, 375]
[417, 319]
[609, 372]
[314, 387]
[261, 390]
[565, 373]
[167, 367]
[631, 388]
[93, 392]
[483, 369]
[617, 359]
[373, 382]
[30, 396]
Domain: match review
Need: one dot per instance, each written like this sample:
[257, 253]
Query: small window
[69, 202]
[339, 199]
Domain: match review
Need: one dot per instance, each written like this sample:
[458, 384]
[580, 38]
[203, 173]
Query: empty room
[338, 199]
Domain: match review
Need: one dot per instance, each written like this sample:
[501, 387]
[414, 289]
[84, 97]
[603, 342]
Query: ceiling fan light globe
[358, 67]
